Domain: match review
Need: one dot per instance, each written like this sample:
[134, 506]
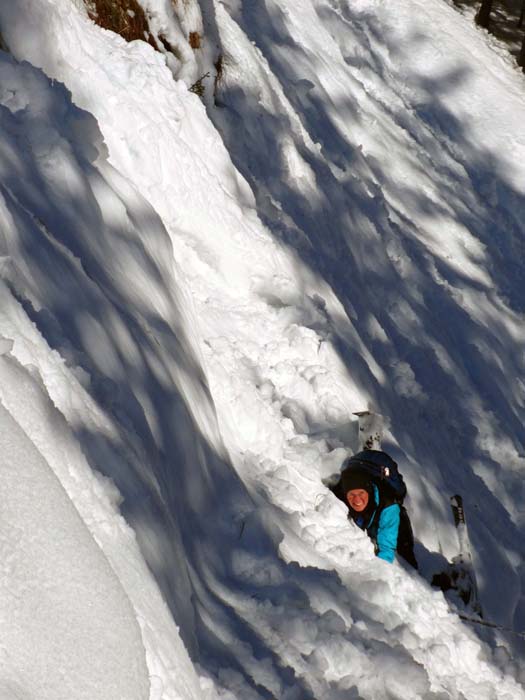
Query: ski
[462, 571]
[370, 430]
[493, 625]
[458, 580]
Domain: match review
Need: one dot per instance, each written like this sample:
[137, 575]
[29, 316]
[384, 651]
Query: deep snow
[195, 300]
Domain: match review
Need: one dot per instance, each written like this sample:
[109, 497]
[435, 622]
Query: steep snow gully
[195, 297]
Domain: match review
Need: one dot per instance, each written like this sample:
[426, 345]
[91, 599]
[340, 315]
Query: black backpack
[382, 468]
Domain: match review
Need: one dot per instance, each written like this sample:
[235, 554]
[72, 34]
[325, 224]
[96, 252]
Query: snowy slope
[47, 393]
[57, 586]
[200, 298]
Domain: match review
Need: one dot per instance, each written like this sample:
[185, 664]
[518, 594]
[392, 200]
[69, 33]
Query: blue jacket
[382, 526]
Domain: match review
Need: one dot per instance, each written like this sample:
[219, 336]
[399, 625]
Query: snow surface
[195, 298]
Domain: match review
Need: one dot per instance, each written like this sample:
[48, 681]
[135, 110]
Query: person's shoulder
[391, 507]
[386, 497]
[390, 514]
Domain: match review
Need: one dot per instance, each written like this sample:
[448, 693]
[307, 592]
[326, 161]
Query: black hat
[353, 478]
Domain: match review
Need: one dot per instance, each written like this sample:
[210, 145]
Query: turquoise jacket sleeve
[387, 532]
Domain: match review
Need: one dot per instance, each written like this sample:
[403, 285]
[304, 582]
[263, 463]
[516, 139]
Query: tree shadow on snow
[145, 394]
[181, 494]
[440, 323]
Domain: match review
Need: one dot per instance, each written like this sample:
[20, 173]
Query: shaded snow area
[197, 295]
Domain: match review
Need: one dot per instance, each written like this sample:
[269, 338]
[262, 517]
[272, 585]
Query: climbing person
[373, 490]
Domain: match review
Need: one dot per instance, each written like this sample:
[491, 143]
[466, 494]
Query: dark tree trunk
[522, 16]
[521, 59]
[483, 16]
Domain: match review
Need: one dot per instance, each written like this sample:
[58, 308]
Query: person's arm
[387, 532]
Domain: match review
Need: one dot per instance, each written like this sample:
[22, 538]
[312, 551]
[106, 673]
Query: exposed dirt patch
[195, 40]
[124, 17]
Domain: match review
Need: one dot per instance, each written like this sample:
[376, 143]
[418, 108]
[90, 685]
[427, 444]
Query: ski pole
[487, 623]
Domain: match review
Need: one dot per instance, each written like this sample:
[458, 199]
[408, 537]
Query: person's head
[357, 499]
[357, 488]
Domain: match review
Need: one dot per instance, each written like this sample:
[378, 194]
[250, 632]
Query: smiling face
[357, 499]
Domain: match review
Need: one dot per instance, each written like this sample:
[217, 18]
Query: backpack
[382, 469]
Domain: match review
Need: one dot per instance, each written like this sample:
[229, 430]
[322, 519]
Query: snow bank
[68, 629]
[58, 213]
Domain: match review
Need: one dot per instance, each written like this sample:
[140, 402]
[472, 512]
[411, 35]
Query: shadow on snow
[359, 232]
